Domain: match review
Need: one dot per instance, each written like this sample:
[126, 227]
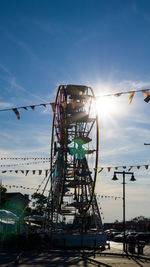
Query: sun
[106, 107]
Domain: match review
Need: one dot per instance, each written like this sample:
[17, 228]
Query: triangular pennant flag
[100, 170]
[130, 168]
[25, 108]
[53, 107]
[22, 171]
[16, 171]
[131, 95]
[40, 172]
[33, 171]
[109, 168]
[33, 107]
[146, 167]
[27, 172]
[15, 110]
[4, 171]
[138, 167]
[116, 168]
[145, 93]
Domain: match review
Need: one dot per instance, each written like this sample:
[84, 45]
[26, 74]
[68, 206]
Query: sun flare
[106, 107]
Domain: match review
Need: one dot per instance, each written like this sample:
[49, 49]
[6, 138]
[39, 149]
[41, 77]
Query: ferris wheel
[74, 154]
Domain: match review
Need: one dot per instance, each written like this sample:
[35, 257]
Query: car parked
[120, 237]
[143, 237]
[113, 234]
[110, 232]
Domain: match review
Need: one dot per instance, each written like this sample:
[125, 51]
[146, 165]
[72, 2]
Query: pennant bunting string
[145, 92]
[25, 158]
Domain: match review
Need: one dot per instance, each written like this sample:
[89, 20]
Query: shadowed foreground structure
[111, 257]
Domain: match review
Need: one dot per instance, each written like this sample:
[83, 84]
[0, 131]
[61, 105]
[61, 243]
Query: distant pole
[124, 217]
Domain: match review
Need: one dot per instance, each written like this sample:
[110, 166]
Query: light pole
[124, 219]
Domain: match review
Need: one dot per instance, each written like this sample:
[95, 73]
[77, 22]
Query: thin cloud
[12, 81]
[5, 104]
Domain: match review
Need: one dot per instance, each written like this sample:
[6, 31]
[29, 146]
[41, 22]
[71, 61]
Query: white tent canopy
[8, 216]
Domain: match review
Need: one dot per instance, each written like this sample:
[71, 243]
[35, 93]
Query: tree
[140, 219]
[39, 204]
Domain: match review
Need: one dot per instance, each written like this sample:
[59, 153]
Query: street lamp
[124, 220]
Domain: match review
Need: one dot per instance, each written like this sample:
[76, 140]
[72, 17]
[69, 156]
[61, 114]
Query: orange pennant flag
[53, 106]
[145, 93]
[108, 169]
[131, 95]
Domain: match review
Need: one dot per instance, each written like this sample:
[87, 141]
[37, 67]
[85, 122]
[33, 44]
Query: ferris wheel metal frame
[74, 137]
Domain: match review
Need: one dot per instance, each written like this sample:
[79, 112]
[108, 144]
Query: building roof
[9, 195]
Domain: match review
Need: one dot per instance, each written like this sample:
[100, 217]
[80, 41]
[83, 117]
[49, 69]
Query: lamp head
[132, 178]
[114, 177]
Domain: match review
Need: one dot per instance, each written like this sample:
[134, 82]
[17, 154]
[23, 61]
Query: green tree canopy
[39, 203]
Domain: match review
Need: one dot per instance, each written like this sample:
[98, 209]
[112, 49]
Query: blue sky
[102, 44]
